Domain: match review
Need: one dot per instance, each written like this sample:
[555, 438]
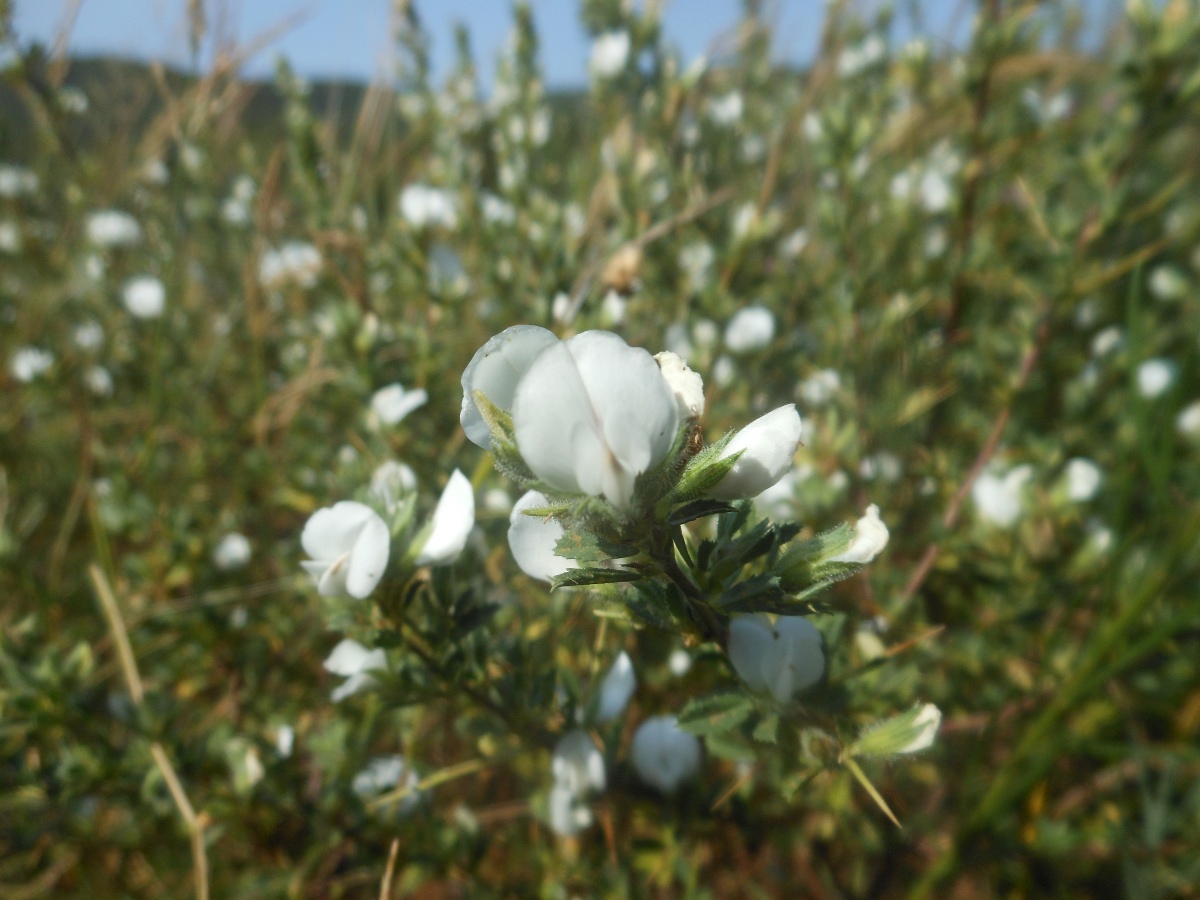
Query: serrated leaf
[759, 593]
[716, 713]
[586, 576]
[729, 747]
[767, 729]
[697, 509]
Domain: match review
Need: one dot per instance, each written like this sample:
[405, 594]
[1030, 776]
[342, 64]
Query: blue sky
[350, 37]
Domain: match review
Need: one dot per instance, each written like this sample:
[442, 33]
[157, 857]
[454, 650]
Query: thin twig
[120, 636]
[385, 887]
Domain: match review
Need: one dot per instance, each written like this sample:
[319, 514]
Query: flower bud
[870, 537]
[768, 445]
[909, 732]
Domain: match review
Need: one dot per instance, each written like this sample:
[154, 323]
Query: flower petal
[452, 523]
[331, 532]
[616, 689]
[532, 539]
[768, 444]
[495, 369]
[870, 537]
[369, 558]
[751, 638]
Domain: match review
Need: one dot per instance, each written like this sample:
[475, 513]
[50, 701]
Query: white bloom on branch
[495, 370]
[112, 228]
[927, 723]
[423, 206]
[610, 52]
[591, 414]
[384, 774]
[870, 537]
[532, 539]
[393, 402]
[751, 328]
[665, 755]
[295, 262]
[349, 545]
[781, 659]
[453, 520]
[1154, 376]
[145, 297]
[767, 445]
[232, 552]
[1083, 479]
[578, 770]
[616, 689]
[998, 498]
[28, 363]
[1188, 421]
[355, 663]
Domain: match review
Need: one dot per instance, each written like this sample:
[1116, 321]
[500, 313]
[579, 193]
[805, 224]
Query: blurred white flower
[813, 130]
[935, 191]
[744, 220]
[1154, 376]
[354, 662]
[532, 539]
[393, 402]
[686, 386]
[27, 363]
[1083, 479]
[612, 309]
[390, 481]
[423, 206]
[591, 414]
[445, 269]
[1107, 340]
[781, 659]
[232, 552]
[610, 52]
[820, 387]
[453, 520]
[349, 544]
[1188, 422]
[664, 755]
[870, 537]
[1168, 283]
[679, 662]
[384, 774]
[793, 244]
[706, 333]
[497, 211]
[497, 500]
[577, 764]
[750, 328]
[767, 445]
[144, 297]
[883, 465]
[616, 689]
[855, 59]
[285, 740]
[294, 262]
[112, 228]
[927, 723]
[998, 498]
[154, 171]
[567, 813]
[16, 180]
[724, 370]
[99, 381]
[10, 237]
[495, 370]
[727, 108]
[88, 336]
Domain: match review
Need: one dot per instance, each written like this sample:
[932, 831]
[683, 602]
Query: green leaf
[716, 713]
[703, 472]
[583, 546]
[759, 593]
[767, 729]
[585, 576]
[697, 509]
[727, 746]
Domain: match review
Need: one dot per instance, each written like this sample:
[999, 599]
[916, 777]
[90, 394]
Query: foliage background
[1061, 650]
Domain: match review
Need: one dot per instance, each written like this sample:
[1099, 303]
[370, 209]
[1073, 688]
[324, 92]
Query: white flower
[768, 445]
[679, 662]
[612, 308]
[616, 689]
[384, 774]
[610, 52]
[1188, 422]
[112, 228]
[99, 381]
[793, 245]
[1083, 479]
[1106, 341]
[998, 498]
[781, 659]
[495, 369]
[751, 328]
[723, 371]
[820, 387]
[144, 297]
[567, 813]
[532, 539]
[16, 180]
[232, 552]
[696, 260]
[285, 740]
[870, 537]
[88, 336]
[1168, 283]
[1154, 376]
[295, 262]
[392, 403]
[881, 465]
[577, 765]
[28, 363]
[423, 206]
[726, 109]
[686, 386]
[663, 754]
[355, 663]
[591, 414]
[453, 520]
[853, 60]
[10, 237]
[497, 211]
[390, 481]
[935, 191]
[349, 545]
